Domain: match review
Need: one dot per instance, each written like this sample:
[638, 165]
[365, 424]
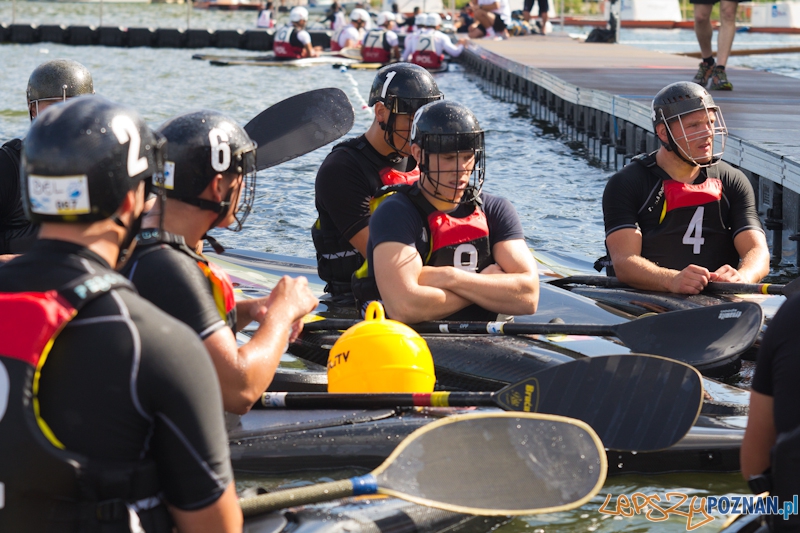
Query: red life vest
[46, 487]
[335, 39]
[376, 48]
[691, 228]
[462, 243]
[425, 54]
[221, 284]
[286, 44]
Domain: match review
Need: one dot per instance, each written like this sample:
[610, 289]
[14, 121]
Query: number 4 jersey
[681, 223]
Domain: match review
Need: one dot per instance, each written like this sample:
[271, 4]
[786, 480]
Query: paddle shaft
[324, 400]
[715, 287]
[472, 328]
[298, 496]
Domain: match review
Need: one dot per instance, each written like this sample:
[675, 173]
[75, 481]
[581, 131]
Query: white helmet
[298, 13]
[421, 20]
[384, 17]
[359, 14]
[434, 20]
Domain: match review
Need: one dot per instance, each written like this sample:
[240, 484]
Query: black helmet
[58, 79]
[80, 159]
[201, 145]
[679, 99]
[402, 88]
[449, 127]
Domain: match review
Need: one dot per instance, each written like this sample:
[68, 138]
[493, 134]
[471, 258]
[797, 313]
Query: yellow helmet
[380, 355]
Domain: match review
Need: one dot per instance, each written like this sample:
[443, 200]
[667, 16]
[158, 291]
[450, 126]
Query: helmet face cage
[403, 106]
[246, 195]
[62, 98]
[435, 145]
[681, 144]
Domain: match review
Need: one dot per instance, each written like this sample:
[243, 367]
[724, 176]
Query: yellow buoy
[380, 355]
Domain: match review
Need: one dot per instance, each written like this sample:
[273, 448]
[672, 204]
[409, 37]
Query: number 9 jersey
[681, 224]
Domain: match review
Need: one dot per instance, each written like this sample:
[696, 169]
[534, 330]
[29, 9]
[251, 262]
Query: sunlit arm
[759, 437]
[397, 268]
[511, 287]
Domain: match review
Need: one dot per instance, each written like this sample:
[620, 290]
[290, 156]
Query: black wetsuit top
[172, 280]
[124, 381]
[346, 182]
[17, 234]
[397, 219]
[635, 197]
[778, 367]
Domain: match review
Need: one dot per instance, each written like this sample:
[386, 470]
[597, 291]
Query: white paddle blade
[497, 464]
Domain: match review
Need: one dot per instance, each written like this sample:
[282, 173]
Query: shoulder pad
[647, 160]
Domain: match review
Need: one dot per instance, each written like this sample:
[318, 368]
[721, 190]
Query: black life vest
[449, 241]
[286, 44]
[337, 259]
[45, 486]
[376, 48]
[221, 285]
[17, 234]
[692, 226]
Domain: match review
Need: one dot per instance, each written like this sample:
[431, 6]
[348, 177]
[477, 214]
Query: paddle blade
[300, 124]
[708, 338]
[634, 402]
[497, 464]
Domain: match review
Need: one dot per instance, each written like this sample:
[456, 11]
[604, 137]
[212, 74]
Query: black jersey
[399, 219]
[346, 182]
[171, 276]
[681, 224]
[17, 234]
[124, 381]
[778, 366]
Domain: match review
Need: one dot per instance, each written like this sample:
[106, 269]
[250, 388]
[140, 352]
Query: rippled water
[553, 187]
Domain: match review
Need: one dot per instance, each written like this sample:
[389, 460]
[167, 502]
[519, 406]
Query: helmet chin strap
[218, 248]
[131, 232]
[388, 137]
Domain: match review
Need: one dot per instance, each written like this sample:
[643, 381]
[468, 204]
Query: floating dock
[600, 94]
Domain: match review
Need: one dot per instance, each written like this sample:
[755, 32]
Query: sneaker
[703, 74]
[719, 80]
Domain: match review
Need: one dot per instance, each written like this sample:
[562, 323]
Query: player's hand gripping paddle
[299, 125]
[715, 287]
[700, 337]
[486, 464]
[633, 402]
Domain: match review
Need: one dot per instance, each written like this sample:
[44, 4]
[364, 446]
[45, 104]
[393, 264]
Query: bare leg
[727, 30]
[544, 22]
[474, 32]
[702, 27]
[485, 18]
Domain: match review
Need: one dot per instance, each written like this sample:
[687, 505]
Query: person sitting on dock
[355, 170]
[112, 417]
[429, 47]
[440, 248]
[51, 82]
[492, 18]
[335, 17]
[679, 218]
[292, 41]
[381, 45]
[209, 182]
[710, 71]
[351, 35]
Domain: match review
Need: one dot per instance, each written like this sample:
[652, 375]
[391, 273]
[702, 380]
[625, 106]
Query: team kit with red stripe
[462, 238]
[182, 282]
[681, 224]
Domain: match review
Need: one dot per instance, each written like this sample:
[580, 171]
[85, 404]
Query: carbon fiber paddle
[490, 464]
[704, 337]
[299, 125]
[715, 287]
[633, 402]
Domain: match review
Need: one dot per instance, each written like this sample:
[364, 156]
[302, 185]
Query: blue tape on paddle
[364, 485]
